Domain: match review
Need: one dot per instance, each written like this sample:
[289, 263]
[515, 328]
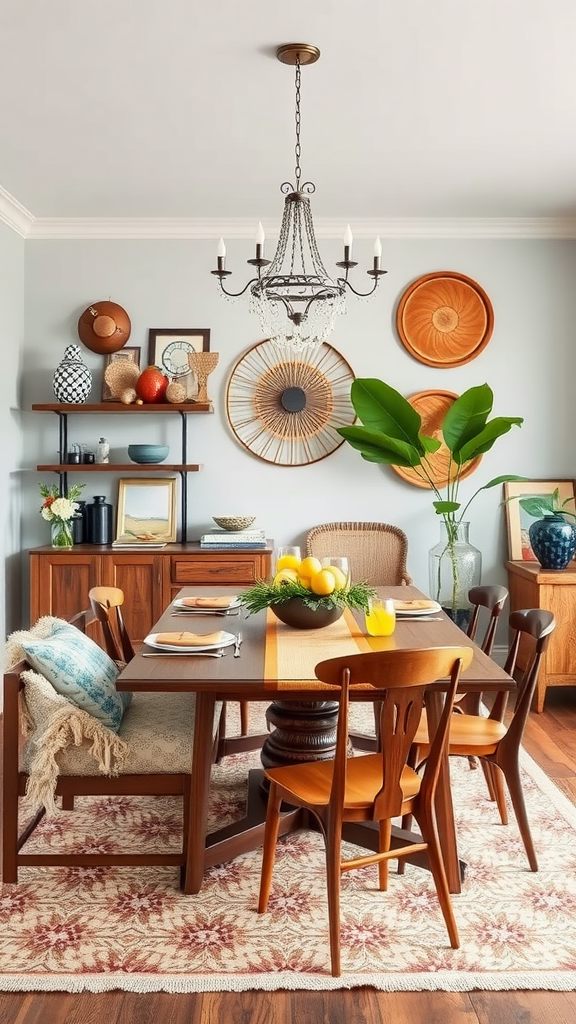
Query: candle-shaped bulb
[221, 250]
[260, 236]
[348, 236]
[378, 247]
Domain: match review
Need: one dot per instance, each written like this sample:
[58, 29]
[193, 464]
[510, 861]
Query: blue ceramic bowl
[148, 453]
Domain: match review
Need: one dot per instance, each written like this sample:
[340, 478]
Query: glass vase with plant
[391, 434]
[59, 511]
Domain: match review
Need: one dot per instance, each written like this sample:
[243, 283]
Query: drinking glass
[339, 563]
[287, 557]
[380, 617]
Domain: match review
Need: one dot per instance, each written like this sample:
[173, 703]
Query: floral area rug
[74, 929]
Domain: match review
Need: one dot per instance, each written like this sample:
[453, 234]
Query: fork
[237, 643]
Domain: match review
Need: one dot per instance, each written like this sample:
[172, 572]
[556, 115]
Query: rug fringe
[440, 981]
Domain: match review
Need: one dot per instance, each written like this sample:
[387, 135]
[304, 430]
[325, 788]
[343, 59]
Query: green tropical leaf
[467, 417]
[378, 447]
[383, 408]
[484, 441]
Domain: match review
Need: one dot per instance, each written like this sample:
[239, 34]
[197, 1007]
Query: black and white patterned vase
[72, 379]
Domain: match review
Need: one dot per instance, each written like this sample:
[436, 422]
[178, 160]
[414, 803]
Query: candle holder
[203, 363]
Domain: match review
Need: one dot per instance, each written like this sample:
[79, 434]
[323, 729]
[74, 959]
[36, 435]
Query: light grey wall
[529, 363]
[12, 358]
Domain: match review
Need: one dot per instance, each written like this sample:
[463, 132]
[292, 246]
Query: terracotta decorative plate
[433, 406]
[444, 319]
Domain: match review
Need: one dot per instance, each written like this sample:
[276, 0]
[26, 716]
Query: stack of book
[233, 539]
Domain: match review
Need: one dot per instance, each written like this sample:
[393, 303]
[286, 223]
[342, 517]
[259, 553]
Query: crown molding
[14, 214]
[54, 228]
[26, 225]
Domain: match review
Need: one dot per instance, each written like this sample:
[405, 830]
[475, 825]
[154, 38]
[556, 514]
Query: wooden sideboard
[60, 580]
[531, 586]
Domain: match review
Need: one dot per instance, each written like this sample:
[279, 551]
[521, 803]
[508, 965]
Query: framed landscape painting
[518, 521]
[147, 511]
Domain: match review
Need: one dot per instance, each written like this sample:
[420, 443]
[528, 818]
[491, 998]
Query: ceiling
[179, 109]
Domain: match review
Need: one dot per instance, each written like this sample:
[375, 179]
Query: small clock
[175, 358]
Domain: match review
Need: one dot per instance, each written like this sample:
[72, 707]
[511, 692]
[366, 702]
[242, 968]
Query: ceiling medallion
[295, 298]
[285, 410]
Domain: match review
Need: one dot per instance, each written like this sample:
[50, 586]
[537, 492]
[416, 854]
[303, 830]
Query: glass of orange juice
[380, 617]
[288, 557]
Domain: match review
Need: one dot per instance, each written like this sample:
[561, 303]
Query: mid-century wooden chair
[494, 743]
[106, 605]
[155, 736]
[492, 598]
[372, 787]
[376, 552]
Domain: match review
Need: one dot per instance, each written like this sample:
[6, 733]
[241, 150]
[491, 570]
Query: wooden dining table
[276, 664]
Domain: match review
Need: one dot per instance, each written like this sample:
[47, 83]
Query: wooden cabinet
[60, 581]
[531, 586]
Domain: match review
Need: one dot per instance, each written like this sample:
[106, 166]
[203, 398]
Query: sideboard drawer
[225, 568]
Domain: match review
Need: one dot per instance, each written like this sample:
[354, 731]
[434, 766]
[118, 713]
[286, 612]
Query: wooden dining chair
[377, 553]
[106, 603]
[492, 741]
[372, 787]
[492, 598]
[52, 748]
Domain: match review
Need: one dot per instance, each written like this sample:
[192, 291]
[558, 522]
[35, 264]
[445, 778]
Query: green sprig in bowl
[298, 607]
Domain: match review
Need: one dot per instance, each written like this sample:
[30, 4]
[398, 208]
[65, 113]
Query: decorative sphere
[300, 616]
[127, 396]
[176, 393]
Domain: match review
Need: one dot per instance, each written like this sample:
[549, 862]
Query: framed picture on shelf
[169, 347]
[147, 511]
[518, 521]
[124, 356]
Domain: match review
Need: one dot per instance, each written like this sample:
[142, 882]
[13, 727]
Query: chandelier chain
[297, 149]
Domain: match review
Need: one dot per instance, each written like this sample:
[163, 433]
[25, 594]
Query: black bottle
[99, 521]
[79, 524]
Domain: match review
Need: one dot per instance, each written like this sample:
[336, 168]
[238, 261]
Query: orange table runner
[293, 654]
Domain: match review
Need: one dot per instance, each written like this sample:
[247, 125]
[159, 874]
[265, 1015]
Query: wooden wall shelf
[183, 468]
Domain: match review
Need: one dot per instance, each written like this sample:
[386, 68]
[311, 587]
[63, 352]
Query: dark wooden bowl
[298, 615]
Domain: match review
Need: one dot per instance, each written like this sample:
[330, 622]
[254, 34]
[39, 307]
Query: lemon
[309, 566]
[322, 582]
[304, 582]
[287, 562]
[285, 576]
[338, 575]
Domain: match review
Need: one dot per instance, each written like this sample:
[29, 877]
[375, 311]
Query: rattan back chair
[376, 552]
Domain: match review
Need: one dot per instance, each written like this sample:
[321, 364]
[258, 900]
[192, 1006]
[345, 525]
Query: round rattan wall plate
[285, 408]
[433, 406]
[444, 319]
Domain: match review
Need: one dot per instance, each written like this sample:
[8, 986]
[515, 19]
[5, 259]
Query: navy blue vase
[553, 541]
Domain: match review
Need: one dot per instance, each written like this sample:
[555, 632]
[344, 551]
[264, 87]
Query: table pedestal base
[304, 731]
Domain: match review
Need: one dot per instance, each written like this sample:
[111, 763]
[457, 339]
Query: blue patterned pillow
[79, 670]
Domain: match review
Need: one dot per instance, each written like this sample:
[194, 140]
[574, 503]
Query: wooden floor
[551, 739]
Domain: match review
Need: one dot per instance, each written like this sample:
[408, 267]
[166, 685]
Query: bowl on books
[234, 522]
[148, 453]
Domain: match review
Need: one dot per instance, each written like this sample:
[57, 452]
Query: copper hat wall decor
[285, 409]
[444, 319]
[104, 327]
[432, 407]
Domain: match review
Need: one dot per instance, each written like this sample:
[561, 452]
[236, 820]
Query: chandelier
[293, 295]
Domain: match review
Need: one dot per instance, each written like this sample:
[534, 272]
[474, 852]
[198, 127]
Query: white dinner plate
[178, 603]
[431, 609]
[226, 641]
